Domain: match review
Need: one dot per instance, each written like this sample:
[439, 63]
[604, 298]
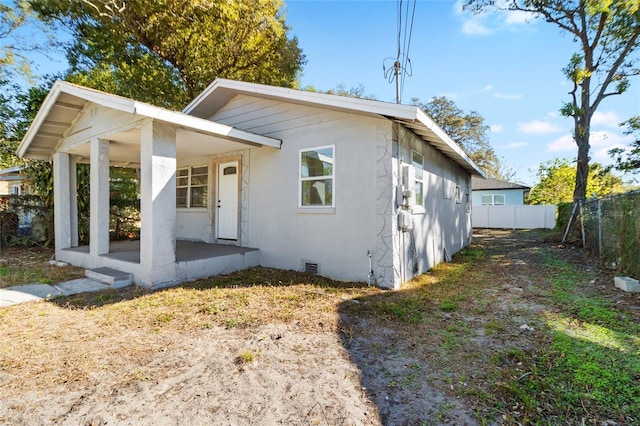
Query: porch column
[61, 200]
[157, 200]
[73, 199]
[99, 198]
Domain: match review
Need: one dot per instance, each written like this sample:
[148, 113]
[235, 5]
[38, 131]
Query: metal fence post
[599, 229]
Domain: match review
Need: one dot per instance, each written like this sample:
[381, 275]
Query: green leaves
[166, 52]
[575, 70]
[628, 160]
[607, 35]
[556, 180]
[467, 130]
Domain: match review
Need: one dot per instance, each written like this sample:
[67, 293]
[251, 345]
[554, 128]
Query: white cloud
[538, 127]
[563, 143]
[486, 88]
[475, 26]
[518, 17]
[515, 145]
[605, 119]
[601, 142]
[496, 128]
[490, 21]
[450, 95]
[472, 24]
[507, 96]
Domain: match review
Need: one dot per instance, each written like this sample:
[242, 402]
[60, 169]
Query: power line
[401, 64]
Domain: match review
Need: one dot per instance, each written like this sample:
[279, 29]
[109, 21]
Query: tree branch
[630, 45]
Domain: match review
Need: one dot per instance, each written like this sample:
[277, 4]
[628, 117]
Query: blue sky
[507, 67]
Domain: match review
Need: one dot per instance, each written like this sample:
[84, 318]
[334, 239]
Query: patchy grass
[31, 265]
[516, 327]
[246, 357]
[519, 332]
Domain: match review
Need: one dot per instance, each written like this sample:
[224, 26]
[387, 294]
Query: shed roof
[491, 183]
[221, 91]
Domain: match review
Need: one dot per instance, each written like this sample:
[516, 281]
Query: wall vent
[311, 268]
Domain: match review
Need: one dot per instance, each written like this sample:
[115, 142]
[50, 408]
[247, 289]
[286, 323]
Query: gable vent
[311, 268]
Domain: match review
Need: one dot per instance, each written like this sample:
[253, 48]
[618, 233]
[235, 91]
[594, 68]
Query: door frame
[215, 165]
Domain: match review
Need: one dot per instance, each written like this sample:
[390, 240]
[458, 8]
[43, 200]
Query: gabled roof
[221, 91]
[66, 101]
[12, 173]
[491, 183]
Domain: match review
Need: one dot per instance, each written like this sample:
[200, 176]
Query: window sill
[418, 210]
[192, 209]
[316, 210]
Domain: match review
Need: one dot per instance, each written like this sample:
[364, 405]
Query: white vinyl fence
[514, 217]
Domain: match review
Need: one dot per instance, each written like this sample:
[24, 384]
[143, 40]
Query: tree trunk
[582, 166]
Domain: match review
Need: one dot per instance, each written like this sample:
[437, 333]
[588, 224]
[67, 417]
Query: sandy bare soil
[272, 347]
[200, 378]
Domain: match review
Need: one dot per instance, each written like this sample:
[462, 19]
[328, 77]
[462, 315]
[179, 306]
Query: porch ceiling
[124, 147]
[71, 115]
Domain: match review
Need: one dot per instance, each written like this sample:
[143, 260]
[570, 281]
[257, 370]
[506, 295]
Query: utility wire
[398, 68]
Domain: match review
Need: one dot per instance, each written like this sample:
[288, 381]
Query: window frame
[189, 186]
[493, 199]
[418, 179]
[331, 178]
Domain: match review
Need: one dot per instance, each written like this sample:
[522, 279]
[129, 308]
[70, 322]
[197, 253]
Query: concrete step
[627, 284]
[110, 276]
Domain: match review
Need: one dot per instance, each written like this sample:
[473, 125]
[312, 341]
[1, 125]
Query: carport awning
[61, 124]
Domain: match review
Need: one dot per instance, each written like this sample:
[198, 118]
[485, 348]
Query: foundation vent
[311, 268]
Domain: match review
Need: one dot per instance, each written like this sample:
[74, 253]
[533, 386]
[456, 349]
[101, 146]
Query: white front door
[227, 201]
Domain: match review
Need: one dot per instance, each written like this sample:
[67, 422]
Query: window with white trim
[317, 168]
[493, 200]
[191, 186]
[417, 160]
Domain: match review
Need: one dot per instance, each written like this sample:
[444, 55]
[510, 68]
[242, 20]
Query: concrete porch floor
[129, 251]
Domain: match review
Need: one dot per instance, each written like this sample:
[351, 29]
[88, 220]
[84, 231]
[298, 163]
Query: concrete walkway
[36, 292]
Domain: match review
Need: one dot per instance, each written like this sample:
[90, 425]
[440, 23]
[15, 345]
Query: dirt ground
[205, 355]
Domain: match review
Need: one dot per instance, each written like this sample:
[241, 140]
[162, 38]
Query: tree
[556, 179]
[607, 33]
[628, 160]
[172, 49]
[12, 17]
[467, 130]
[8, 143]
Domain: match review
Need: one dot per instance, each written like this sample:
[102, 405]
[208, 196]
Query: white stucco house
[497, 192]
[249, 174]
[13, 182]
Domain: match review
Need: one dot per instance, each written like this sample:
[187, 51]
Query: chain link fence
[24, 221]
[611, 228]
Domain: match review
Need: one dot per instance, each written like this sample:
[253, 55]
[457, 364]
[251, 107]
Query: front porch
[77, 125]
[194, 260]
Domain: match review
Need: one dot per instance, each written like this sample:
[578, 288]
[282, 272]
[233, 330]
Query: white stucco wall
[193, 224]
[442, 226]
[367, 169]
[339, 239]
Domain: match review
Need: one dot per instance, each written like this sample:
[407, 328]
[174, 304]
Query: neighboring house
[500, 204]
[12, 182]
[496, 192]
[250, 174]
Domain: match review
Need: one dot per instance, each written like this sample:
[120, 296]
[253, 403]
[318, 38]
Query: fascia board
[350, 104]
[423, 118]
[47, 104]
